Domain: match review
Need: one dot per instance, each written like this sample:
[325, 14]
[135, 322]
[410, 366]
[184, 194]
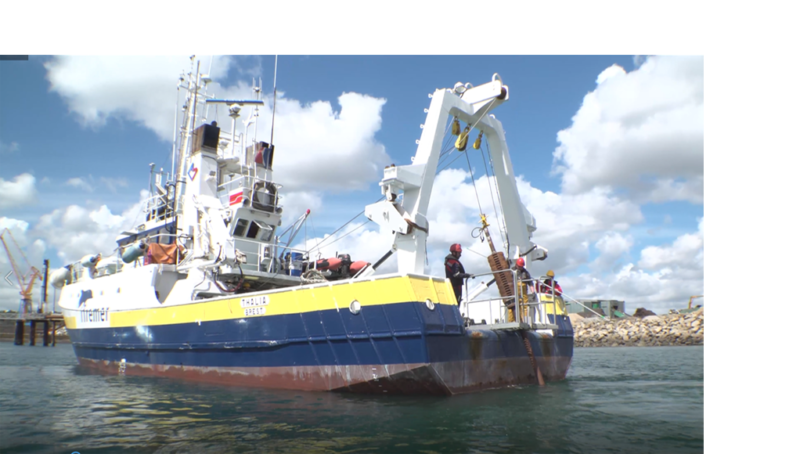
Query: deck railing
[525, 296]
[271, 257]
[247, 183]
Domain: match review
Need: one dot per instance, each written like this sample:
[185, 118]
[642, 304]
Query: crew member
[454, 270]
[522, 273]
[549, 285]
[524, 286]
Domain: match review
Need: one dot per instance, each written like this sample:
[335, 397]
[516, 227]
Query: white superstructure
[211, 228]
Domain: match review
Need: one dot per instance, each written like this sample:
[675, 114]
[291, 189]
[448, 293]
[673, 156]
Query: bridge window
[241, 225]
[260, 231]
[253, 230]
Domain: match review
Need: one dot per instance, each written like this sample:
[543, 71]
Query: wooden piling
[19, 333]
[46, 334]
[49, 322]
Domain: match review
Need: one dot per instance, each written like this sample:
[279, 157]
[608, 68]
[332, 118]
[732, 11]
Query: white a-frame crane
[407, 215]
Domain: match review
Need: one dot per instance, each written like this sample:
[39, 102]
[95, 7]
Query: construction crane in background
[26, 276]
[691, 298]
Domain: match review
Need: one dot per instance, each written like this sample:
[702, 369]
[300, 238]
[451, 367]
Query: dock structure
[26, 276]
[50, 324]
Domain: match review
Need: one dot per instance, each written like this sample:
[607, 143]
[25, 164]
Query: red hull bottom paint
[443, 378]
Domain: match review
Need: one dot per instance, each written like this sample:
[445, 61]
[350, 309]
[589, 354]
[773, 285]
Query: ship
[210, 289]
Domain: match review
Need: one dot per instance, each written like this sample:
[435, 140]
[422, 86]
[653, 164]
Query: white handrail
[563, 295]
[516, 295]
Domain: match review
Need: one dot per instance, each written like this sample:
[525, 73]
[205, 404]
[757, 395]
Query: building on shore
[612, 308]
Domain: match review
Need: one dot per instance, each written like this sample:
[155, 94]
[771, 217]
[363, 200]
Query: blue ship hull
[400, 348]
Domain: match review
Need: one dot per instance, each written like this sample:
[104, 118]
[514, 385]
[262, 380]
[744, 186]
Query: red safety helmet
[455, 248]
[520, 261]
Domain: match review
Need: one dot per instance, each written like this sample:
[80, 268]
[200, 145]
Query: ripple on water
[614, 400]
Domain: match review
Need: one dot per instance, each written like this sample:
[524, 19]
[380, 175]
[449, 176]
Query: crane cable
[446, 150]
[474, 186]
[445, 166]
[493, 177]
[325, 240]
[339, 238]
[491, 192]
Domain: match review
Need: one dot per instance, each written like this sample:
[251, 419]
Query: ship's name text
[255, 311]
[94, 315]
[255, 301]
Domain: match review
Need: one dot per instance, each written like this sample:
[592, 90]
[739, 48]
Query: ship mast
[188, 121]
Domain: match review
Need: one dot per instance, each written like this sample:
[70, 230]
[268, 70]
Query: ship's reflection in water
[614, 401]
[167, 415]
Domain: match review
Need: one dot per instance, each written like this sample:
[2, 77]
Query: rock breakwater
[653, 330]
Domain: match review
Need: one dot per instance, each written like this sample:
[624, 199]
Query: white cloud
[295, 203]
[317, 147]
[639, 60]
[642, 131]
[612, 246]
[90, 183]
[685, 251]
[80, 183]
[140, 89]
[8, 147]
[608, 73]
[76, 231]
[666, 190]
[73, 231]
[639, 134]
[663, 278]
[114, 184]
[16, 226]
[567, 224]
[18, 192]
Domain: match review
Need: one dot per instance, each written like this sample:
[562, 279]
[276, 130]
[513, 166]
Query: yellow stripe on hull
[337, 295]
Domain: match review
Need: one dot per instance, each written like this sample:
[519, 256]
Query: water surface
[615, 400]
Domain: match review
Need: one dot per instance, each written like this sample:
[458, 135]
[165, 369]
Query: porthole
[355, 307]
[429, 304]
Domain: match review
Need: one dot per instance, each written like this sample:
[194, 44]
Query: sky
[608, 151]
